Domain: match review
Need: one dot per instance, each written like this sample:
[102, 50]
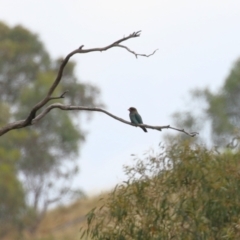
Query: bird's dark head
[132, 109]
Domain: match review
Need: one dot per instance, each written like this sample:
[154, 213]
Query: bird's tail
[144, 129]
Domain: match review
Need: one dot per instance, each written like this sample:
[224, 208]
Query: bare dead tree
[33, 117]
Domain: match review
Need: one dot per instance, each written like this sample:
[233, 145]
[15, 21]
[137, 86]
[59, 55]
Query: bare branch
[70, 107]
[80, 50]
[48, 97]
[191, 134]
[20, 124]
[32, 118]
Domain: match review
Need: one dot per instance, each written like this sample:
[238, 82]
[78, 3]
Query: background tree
[26, 72]
[218, 111]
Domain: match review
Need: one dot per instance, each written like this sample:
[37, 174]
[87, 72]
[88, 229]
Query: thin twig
[61, 96]
[137, 54]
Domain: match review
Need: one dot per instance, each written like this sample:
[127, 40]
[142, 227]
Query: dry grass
[64, 222]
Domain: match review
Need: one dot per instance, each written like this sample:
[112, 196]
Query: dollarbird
[135, 117]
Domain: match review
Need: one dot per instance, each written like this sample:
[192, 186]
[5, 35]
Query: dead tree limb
[33, 118]
[33, 112]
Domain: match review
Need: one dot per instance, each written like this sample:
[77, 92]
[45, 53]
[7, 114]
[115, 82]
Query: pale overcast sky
[198, 42]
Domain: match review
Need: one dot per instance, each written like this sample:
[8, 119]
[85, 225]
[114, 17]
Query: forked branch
[32, 118]
[33, 112]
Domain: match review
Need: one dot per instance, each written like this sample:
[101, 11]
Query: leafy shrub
[184, 192]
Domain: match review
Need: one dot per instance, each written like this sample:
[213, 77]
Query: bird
[135, 117]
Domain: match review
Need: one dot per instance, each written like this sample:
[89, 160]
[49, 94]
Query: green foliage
[220, 109]
[22, 55]
[181, 193]
[12, 203]
[224, 107]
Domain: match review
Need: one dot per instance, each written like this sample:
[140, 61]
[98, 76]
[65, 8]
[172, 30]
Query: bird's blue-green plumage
[135, 117]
